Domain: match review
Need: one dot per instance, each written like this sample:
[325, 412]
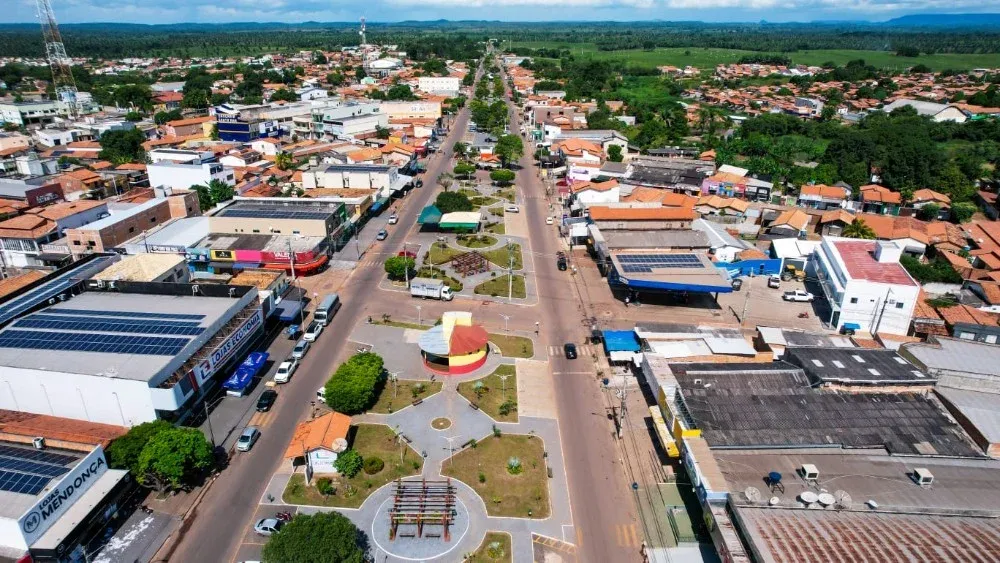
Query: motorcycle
[803, 315]
[283, 516]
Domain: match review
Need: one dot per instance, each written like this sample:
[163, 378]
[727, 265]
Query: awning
[634, 357]
[851, 326]
[288, 310]
[379, 204]
[246, 265]
[221, 265]
[53, 257]
[621, 341]
[430, 215]
[246, 372]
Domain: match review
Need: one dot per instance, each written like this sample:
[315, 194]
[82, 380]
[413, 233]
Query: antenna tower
[364, 45]
[55, 51]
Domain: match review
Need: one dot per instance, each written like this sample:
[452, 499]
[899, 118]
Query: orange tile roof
[821, 190]
[991, 292]
[955, 260]
[836, 215]
[30, 425]
[965, 314]
[605, 213]
[718, 202]
[575, 147]
[318, 433]
[24, 226]
[795, 218]
[876, 193]
[922, 310]
[190, 121]
[596, 186]
[887, 227]
[132, 166]
[14, 283]
[925, 194]
[364, 154]
[64, 209]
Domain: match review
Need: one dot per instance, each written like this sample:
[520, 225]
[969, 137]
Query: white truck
[432, 289]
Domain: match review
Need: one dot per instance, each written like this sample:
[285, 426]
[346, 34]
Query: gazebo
[456, 346]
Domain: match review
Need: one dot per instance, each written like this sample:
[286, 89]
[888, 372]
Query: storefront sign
[47, 511]
[207, 368]
[222, 255]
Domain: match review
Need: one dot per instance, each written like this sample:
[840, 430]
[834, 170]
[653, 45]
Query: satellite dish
[826, 499]
[843, 499]
[808, 497]
[339, 445]
[752, 494]
[773, 501]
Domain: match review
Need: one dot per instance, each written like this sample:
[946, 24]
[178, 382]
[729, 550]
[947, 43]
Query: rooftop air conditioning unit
[809, 472]
[923, 477]
[39, 443]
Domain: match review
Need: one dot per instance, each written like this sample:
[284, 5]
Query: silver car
[248, 438]
[300, 349]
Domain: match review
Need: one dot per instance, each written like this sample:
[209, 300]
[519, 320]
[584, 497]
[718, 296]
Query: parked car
[313, 332]
[570, 350]
[774, 281]
[512, 209]
[266, 400]
[248, 438]
[382, 235]
[300, 349]
[737, 284]
[285, 370]
[420, 183]
[268, 526]
[393, 219]
[798, 295]
[549, 220]
[321, 394]
[561, 261]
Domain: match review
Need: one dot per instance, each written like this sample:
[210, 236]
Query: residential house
[122, 225]
[579, 151]
[22, 237]
[937, 112]
[909, 232]
[723, 246]
[316, 443]
[190, 126]
[81, 183]
[970, 323]
[266, 147]
[832, 223]
[880, 200]
[790, 223]
[182, 176]
[589, 193]
[724, 184]
[726, 206]
[819, 196]
[926, 196]
[641, 218]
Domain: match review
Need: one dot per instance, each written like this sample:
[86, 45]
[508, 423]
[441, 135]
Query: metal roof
[952, 355]
[981, 409]
[855, 366]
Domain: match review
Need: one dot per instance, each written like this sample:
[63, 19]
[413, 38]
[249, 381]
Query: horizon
[227, 12]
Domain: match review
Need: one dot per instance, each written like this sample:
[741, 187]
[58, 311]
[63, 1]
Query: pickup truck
[428, 288]
[798, 295]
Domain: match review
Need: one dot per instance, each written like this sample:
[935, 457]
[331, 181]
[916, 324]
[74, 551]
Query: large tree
[509, 148]
[123, 146]
[502, 176]
[859, 229]
[173, 459]
[398, 267]
[123, 452]
[448, 202]
[352, 388]
[464, 169]
[323, 537]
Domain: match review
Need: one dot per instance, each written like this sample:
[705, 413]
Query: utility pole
[510, 273]
[746, 300]
[451, 447]
[503, 386]
[394, 378]
[505, 319]
[406, 267]
[622, 394]
[882, 313]
[291, 259]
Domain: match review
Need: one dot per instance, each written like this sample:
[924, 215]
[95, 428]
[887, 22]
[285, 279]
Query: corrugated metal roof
[982, 409]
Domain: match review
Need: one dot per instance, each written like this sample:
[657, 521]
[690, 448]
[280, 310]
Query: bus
[326, 309]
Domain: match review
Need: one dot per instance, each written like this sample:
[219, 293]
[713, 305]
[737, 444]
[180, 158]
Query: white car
[393, 219]
[774, 282]
[268, 526]
[798, 295]
[313, 332]
[512, 209]
[285, 370]
[548, 220]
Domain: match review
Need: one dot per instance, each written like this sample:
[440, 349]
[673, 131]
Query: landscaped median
[371, 442]
[500, 286]
[508, 471]
[494, 395]
[403, 393]
[496, 548]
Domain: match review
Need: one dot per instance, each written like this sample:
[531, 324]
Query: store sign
[207, 368]
[47, 511]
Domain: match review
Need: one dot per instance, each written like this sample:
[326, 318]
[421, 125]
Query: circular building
[456, 346]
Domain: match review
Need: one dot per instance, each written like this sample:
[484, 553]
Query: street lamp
[451, 447]
[419, 318]
[208, 418]
[503, 386]
[505, 319]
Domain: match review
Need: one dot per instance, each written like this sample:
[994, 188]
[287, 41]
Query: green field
[708, 58]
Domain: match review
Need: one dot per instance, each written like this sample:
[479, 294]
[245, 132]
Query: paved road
[220, 521]
[603, 509]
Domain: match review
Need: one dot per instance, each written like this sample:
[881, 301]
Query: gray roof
[615, 167]
[669, 175]
[855, 366]
[666, 239]
[775, 405]
[358, 168]
[955, 356]
[15, 189]
[717, 235]
[981, 409]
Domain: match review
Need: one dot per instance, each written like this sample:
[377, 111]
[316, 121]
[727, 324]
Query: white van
[326, 309]
[321, 394]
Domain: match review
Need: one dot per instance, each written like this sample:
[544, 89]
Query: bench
[474, 406]
[417, 402]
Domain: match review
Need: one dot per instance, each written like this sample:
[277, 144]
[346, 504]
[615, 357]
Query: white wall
[82, 397]
[589, 197]
[871, 302]
[443, 84]
[182, 177]
[11, 535]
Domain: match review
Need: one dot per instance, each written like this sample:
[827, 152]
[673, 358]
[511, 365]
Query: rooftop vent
[809, 472]
[39, 443]
[923, 477]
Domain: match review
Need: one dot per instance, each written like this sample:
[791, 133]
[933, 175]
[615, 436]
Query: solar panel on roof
[646, 263]
[22, 482]
[57, 323]
[136, 314]
[36, 455]
[32, 467]
[275, 213]
[91, 342]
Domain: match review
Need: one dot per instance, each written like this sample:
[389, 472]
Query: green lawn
[476, 241]
[708, 58]
[492, 395]
[507, 194]
[399, 324]
[505, 494]
[369, 440]
[500, 287]
[405, 392]
[440, 252]
[513, 346]
[439, 274]
[496, 211]
[501, 256]
[496, 228]
[496, 548]
[483, 201]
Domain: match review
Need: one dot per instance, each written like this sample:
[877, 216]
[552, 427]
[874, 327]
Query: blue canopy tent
[240, 380]
[622, 346]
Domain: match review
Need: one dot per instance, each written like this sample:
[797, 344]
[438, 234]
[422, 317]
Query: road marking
[626, 535]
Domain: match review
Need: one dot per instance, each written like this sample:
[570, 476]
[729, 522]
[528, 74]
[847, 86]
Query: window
[967, 336]
[296, 233]
[899, 304]
[131, 229]
[854, 300]
[991, 339]
[256, 230]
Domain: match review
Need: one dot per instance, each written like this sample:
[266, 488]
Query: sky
[225, 11]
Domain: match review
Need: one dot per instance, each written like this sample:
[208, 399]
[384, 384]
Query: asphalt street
[216, 527]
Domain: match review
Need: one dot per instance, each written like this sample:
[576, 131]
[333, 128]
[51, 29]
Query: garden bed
[496, 548]
[490, 395]
[483, 201]
[496, 228]
[500, 287]
[501, 257]
[485, 469]
[476, 241]
[406, 391]
[370, 440]
[439, 274]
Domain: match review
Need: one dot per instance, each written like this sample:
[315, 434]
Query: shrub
[496, 431]
[507, 407]
[514, 466]
[373, 465]
[325, 486]
[348, 463]
[482, 477]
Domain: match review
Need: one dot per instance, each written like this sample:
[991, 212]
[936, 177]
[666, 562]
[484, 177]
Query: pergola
[470, 263]
[419, 504]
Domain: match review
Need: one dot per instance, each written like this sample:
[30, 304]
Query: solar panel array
[275, 213]
[33, 467]
[92, 342]
[130, 326]
[646, 263]
[132, 314]
[52, 288]
[22, 482]
[40, 456]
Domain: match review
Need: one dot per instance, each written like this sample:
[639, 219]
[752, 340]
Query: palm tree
[283, 160]
[445, 180]
[859, 229]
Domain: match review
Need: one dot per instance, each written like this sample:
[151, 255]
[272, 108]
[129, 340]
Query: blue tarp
[851, 326]
[289, 310]
[246, 372]
[621, 341]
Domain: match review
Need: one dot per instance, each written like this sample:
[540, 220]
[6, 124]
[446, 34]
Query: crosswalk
[552, 544]
[261, 419]
[582, 350]
[626, 535]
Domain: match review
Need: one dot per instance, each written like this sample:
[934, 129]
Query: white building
[182, 176]
[179, 156]
[357, 176]
[441, 85]
[937, 112]
[866, 286]
[724, 246]
[310, 93]
[30, 113]
[355, 126]
[412, 110]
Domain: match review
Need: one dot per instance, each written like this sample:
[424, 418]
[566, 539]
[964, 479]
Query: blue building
[243, 124]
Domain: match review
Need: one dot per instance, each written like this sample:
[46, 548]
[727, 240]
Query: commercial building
[118, 227]
[178, 176]
[318, 124]
[123, 352]
[411, 110]
[244, 124]
[165, 268]
[355, 126]
[30, 114]
[442, 85]
[866, 286]
[57, 494]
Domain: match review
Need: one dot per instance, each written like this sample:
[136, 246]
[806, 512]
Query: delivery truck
[430, 289]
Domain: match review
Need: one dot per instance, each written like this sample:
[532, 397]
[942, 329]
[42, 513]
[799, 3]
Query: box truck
[432, 289]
